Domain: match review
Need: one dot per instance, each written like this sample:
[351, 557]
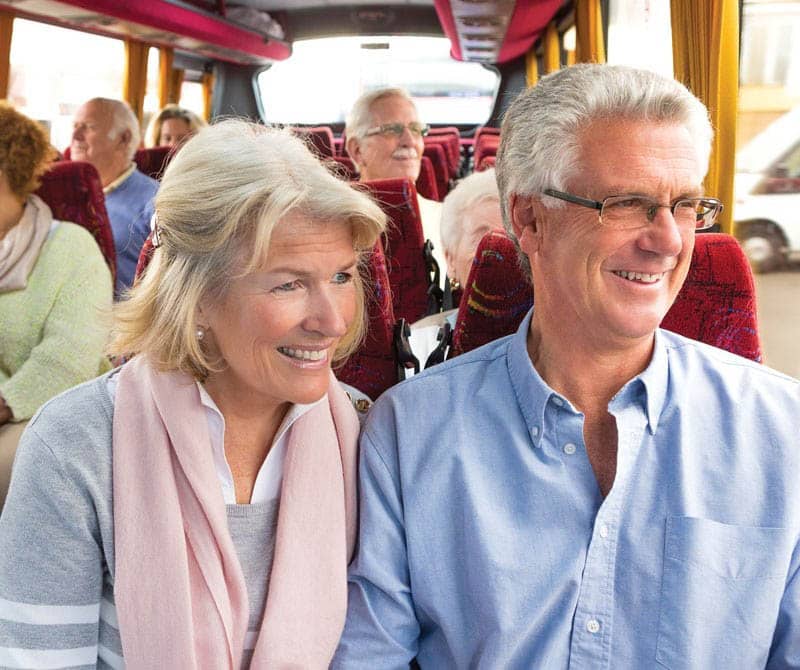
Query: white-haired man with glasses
[592, 491]
[384, 141]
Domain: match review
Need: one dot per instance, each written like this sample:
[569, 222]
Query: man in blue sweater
[106, 134]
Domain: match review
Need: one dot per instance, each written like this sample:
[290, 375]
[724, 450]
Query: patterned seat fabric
[426, 182]
[451, 152]
[372, 369]
[438, 158]
[73, 191]
[496, 297]
[403, 245]
[145, 254]
[153, 161]
[717, 303]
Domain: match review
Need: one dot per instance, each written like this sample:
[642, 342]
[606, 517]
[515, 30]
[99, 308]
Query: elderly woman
[172, 126]
[469, 211]
[53, 285]
[225, 443]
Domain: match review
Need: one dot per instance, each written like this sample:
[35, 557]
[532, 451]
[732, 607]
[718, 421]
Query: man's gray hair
[122, 119]
[470, 191]
[541, 131]
[359, 121]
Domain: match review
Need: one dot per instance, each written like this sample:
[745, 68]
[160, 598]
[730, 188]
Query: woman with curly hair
[53, 285]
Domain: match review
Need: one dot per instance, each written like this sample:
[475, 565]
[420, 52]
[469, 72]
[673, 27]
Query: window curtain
[135, 80]
[590, 47]
[170, 80]
[6, 28]
[552, 49]
[207, 81]
[531, 68]
[705, 52]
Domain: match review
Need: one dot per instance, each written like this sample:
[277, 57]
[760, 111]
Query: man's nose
[663, 233]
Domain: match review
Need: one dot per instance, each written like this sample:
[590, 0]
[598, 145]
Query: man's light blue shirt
[485, 542]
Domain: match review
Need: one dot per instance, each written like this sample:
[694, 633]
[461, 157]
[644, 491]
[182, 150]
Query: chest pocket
[720, 594]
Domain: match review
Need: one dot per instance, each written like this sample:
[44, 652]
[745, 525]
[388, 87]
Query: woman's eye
[285, 288]
[342, 278]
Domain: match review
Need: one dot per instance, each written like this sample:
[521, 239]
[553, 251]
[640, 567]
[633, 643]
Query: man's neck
[112, 171]
[586, 372]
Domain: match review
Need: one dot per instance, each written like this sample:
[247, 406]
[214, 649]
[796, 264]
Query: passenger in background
[54, 285]
[384, 140]
[106, 134]
[196, 507]
[469, 211]
[591, 491]
[172, 126]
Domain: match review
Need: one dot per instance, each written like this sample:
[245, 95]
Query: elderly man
[384, 140]
[106, 134]
[592, 491]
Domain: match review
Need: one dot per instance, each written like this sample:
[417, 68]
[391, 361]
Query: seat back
[73, 191]
[153, 160]
[486, 163]
[145, 254]
[496, 297]
[485, 145]
[404, 246]
[426, 182]
[318, 138]
[373, 369]
[451, 150]
[717, 303]
[438, 157]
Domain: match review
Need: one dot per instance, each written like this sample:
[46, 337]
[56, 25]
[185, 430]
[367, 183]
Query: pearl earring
[200, 333]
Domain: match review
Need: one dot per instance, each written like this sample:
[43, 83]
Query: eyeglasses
[635, 211]
[397, 129]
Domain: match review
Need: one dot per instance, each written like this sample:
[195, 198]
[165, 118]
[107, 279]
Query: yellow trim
[705, 39]
[531, 68]
[6, 30]
[589, 45]
[208, 90]
[552, 49]
[134, 84]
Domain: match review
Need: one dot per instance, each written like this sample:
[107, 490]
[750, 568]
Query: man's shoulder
[690, 357]
[143, 182]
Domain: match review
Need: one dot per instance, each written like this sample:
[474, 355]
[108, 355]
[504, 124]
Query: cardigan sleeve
[74, 335]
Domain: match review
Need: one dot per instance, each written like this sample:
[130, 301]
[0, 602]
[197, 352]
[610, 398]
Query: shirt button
[558, 401]
[593, 626]
[603, 531]
[535, 431]
[569, 448]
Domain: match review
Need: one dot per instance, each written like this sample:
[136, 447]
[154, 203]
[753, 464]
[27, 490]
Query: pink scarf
[179, 589]
[19, 249]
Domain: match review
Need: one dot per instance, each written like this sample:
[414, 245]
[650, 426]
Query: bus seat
[496, 298]
[485, 146]
[485, 130]
[73, 191]
[372, 368]
[438, 158]
[153, 160]
[451, 152]
[343, 167]
[404, 245]
[426, 182]
[318, 138]
[145, 254]
[486, 163]
[717, 303]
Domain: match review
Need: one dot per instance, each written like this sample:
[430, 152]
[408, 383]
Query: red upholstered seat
[74, 193]
[717, 303]
[403, 246]
[344, 167]
[485, 146]
[372, 369]
[486, 163]
[438, 158]
[319, 139]
[426, 182]
[451, 151]
[496, 297]
[145, 254]
[153, 161]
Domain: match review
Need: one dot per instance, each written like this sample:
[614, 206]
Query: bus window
[444, 90]
[767, 182]
[639, 34]
[192, 96]
[50, 83]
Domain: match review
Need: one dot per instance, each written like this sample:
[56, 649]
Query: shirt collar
[114, 185]
[533, 394]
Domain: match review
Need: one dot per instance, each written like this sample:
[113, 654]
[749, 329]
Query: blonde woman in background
[226, 444]
[172, 126]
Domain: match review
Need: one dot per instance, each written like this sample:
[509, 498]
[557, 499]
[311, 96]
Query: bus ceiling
[489, 31]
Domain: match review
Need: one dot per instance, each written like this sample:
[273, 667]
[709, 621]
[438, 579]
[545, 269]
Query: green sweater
[53, 332]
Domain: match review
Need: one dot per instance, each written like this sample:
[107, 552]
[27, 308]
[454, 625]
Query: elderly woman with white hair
[195, 508]
[469, 211]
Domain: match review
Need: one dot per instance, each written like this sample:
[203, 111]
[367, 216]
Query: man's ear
[526, 212]
[125, 137]
[353, 150]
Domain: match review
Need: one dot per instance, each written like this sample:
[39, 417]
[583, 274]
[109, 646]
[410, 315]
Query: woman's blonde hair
[219, 201]
[171, 111]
